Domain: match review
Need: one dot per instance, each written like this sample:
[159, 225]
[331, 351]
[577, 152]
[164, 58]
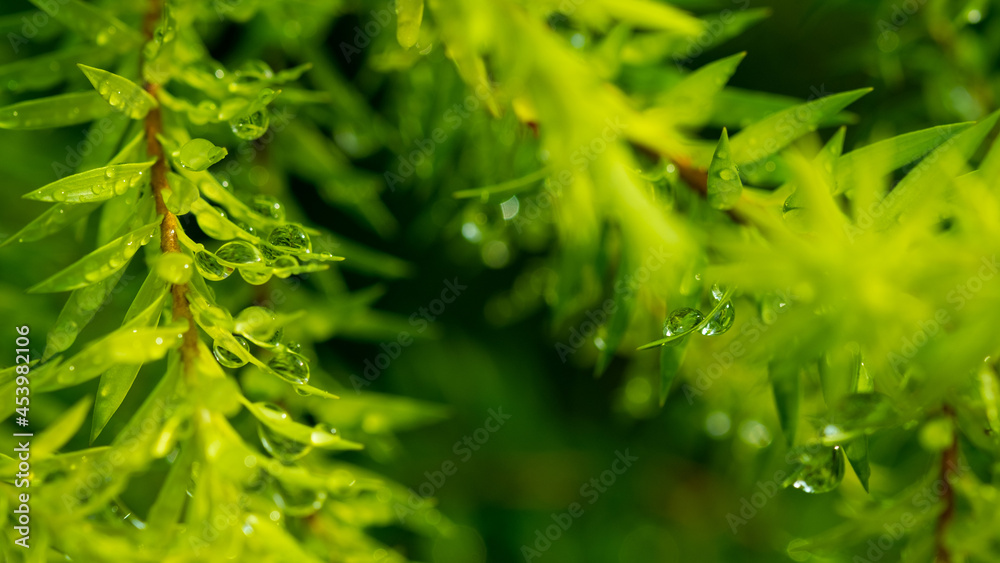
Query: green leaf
[671, 358]
[93, 185]
[61, 431]
[116, 382]
[93, 23]
[280, 422]
[199, 154]
[649, 48]
[409, 14]
[120, 92]
[724, 184]
[172, 496]
[785, 385]
[736, 107]
[126, 346]
[691, 101]
[53, 220]
[54, 111]
[946, 162]
[78, 311]
[826, 161]
[99, 264]
[782, 128]
[857, 454]
[881, 158]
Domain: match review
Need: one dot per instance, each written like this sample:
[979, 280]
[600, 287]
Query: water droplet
[819, 469]
[292, 367]
[258, 325]
[721, 321]
[726, 175]
[239, 252]
[210, 268]
[299, 502]
[323, 435]
[226, 356]
[280, 446]
[174, 267]
[681, 321]
[251, 126]
[255, 276]
[268, 207]
[290, 237]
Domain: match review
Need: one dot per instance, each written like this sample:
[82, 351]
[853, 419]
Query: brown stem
[949, 464]
[168, 227]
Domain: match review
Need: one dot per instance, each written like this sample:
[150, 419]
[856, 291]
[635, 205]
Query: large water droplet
[299, 502]
[323, 435]
[292, 367]
[819, 469]
[259, 326]
[174, 267]
[210, 268]
[720, 321]
[226, 356]
[681, 321]
[290, 237]
[252, 126]
[255, 276]
[239, 252]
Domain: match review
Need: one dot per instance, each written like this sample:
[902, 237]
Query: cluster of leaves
[860, 279]
[221, 437]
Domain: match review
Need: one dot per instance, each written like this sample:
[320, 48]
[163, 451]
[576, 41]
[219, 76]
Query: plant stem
[949, 464]
[168, 227]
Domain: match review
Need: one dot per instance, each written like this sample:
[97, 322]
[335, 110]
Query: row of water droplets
[276, 251]
[686, 319]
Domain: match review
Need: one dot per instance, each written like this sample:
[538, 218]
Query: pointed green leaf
[409, 14]
[99, 264]
[945, 163]
[671, 358]
[826, 160]
[54, 111]
[77, 313]
[93, 185]
[653, 15]
[120, 92]
[282, 423]
[93, 23]
[785, 385]
[707, 318]
[126, 346]
[199, 154]
[691, 101]
[782, 128]
[54, 219]
[881, 158]
[61, 431]
[857, 454]
[172, 496]
[736, 107]
[724, 184]
[116, 382]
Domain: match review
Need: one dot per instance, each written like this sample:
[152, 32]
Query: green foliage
[831, 284]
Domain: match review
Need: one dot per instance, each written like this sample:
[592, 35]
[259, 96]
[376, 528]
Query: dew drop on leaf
[721, 321]
[258, 325]
[252, 126]
[239, 252]
[291, 237]
[174, 267]
[291, 367]
[226, 357]
[268, 207]
[210, 268]
[819, 469]
[681, 321]
[255, 276]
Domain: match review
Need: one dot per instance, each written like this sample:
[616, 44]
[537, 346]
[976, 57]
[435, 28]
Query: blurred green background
[699, 463]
